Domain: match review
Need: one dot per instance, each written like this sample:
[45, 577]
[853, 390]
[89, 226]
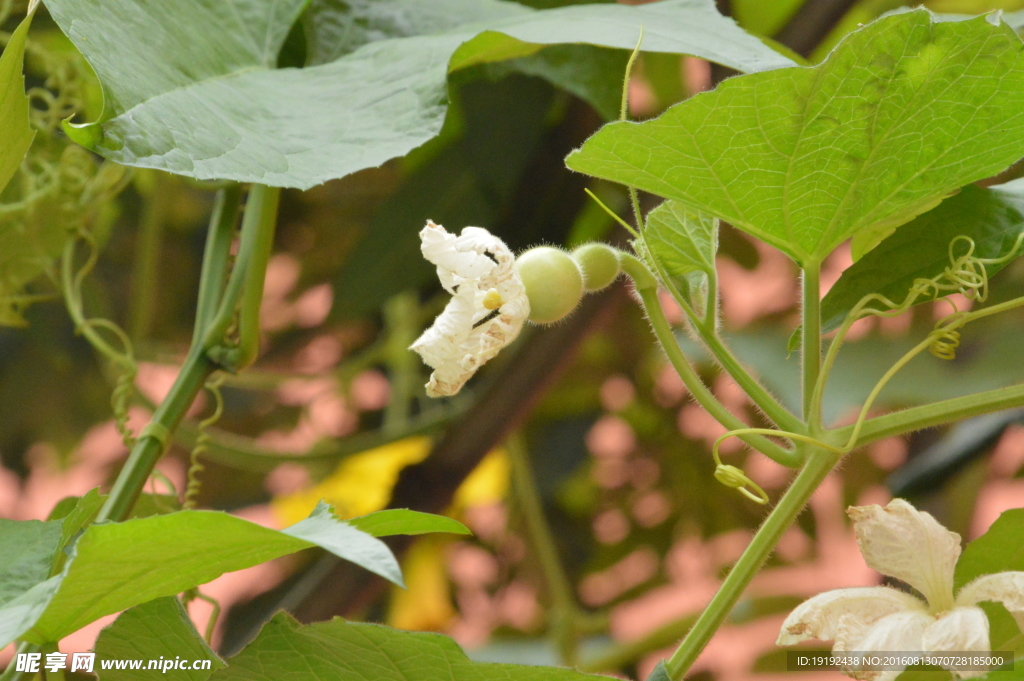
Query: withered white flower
[487, 309]
[909, 545]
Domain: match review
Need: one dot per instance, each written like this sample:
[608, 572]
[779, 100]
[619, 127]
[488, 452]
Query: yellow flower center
[493, 300]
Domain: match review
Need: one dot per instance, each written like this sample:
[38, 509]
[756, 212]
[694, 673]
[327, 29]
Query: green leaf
[903, 113]
[158, 629]
[27, 547]
[673, 26]
[18, 615]
[659, 673]
[16, 135]
[155, 504]
[322, 528]
[115, 566]
[458, 183]
[74, 521]
[200, 97]
[683, 244]
[85, 509]
[403, 521]
[1004, 634]
[335, 28]
[1001, 549]
[368, 652]
[594, 74]
[992, 218]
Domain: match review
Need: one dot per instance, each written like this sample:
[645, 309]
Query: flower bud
[553, 281]
[599, 264]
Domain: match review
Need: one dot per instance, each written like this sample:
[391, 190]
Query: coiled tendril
[966, 274]
[202, 443]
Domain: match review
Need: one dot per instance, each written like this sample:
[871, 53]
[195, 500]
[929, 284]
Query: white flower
[487, 309]
[902, 542]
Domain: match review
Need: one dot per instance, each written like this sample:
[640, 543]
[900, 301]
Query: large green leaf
[115, 566]
[200, 97]
[335, 28]
[27, 547]
[158, 629]
[683, 244]
[1001, 549]
[903, 113]
[992, 218]
[347, 651]
[594, 74]
[15, 133]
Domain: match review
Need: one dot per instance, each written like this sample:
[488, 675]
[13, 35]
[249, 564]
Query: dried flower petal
[487, 309]
[910, 545]
[851, 612]
[960, 629]
[1004, 587]
[899, 631]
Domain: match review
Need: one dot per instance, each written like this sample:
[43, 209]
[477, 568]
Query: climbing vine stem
[647, 289]
[820, 462]
[238, 307]
[811, 342]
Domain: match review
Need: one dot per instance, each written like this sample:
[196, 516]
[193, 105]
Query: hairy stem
[819, 464]
[761, 398]
[930, 415]
[700, 392]
[811, 342]
[707, 330]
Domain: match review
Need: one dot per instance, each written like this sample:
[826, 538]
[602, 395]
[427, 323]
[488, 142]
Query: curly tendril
[122, 358]
[966, 274]
[202, 443]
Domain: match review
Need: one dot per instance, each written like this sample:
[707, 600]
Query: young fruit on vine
[553, 281]
[599, 263]
[494, 293]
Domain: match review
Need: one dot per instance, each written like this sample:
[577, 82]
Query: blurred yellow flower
[362, 483]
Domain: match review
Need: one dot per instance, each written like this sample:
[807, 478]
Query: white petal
[899, 632]
[467, 334]
[1005, 587]
[856, 609]
[910, 545]
[959, 629]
